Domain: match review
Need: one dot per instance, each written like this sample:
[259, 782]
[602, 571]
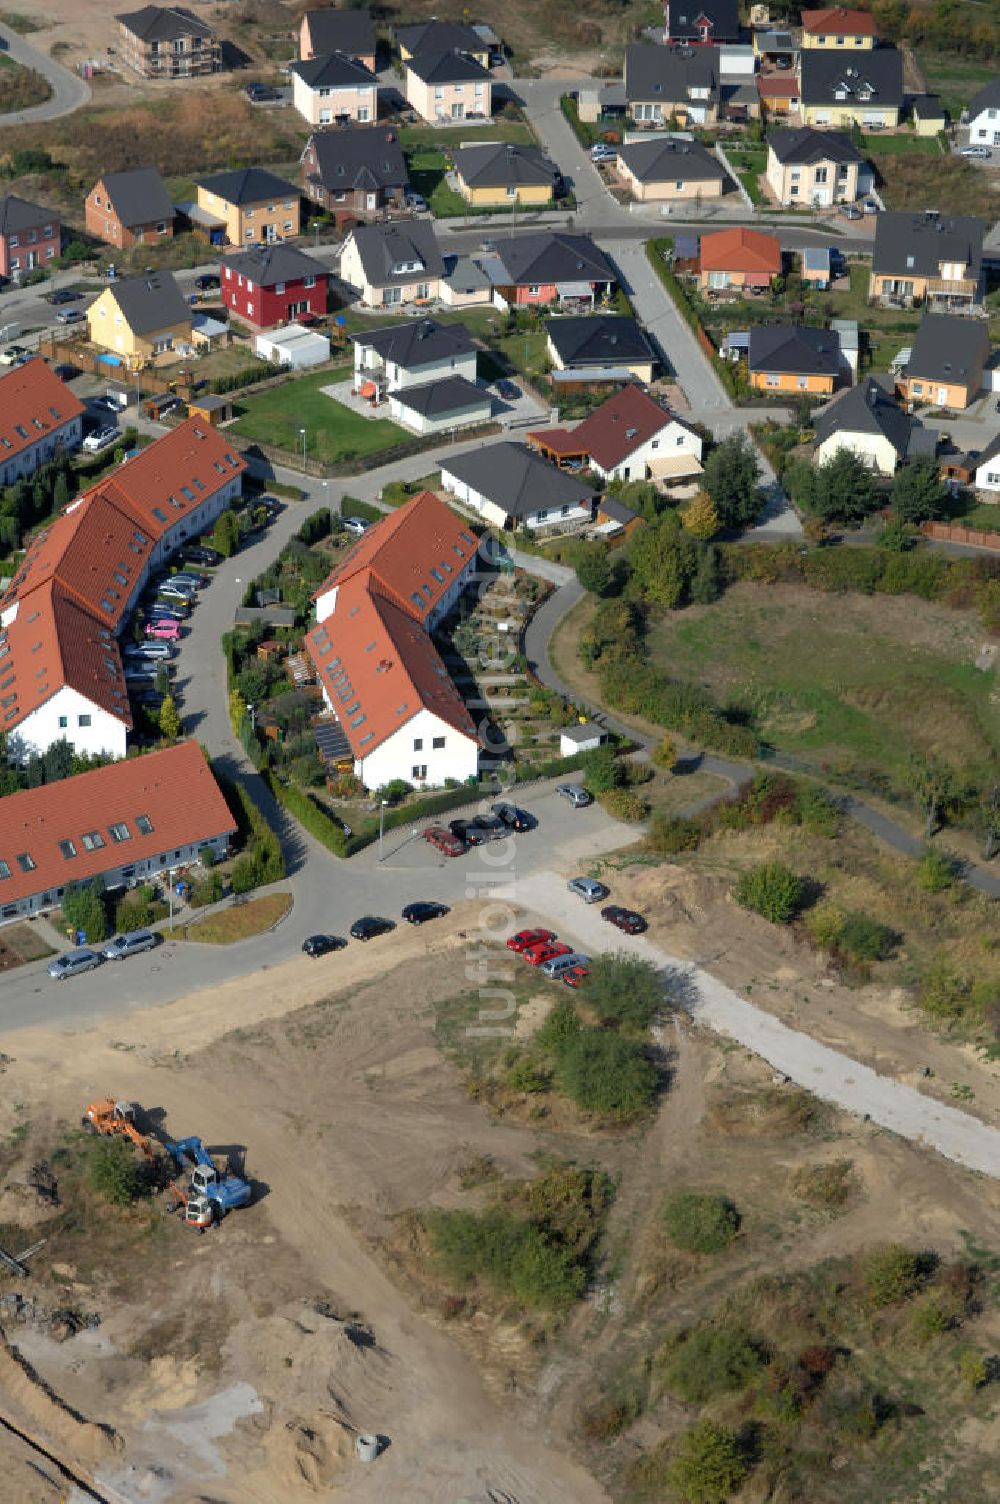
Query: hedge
[310, 815]
[640, 689]
[261, 843]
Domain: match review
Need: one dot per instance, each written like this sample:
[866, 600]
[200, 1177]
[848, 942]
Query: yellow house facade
[255, 207]
[140, 318]
[498, 174]
[794, 383]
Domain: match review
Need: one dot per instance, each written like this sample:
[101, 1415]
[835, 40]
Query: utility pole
[381, 826]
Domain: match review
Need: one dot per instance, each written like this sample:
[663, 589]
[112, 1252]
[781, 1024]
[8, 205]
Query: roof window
[26, 861]
[20, 430]
[119, 831]
[4, 870]
[68, 849]
[92, 840]
[144, 825]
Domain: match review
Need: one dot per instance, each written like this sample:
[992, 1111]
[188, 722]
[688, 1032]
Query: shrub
[973, 1368]
[311, 815]
[707, 1361]
[511, 1255]
[892, 1274]
[930, 1319]
[865, 939]
[828, 1185]
[625, 805]
[606, 1075]
[700, 1222]
[708, 1466]
[665, 754]
[562, 1025]
[601, 770]
[825, 925]
[935, 871]
[625, 990]
[670, 834]
[84, 909]
[771, 890]
[944, 991]
[527, 1075]
[114, 1172]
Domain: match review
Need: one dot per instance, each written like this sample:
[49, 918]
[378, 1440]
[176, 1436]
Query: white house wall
[398, 756]
[100, 732]
[398, 377]
[66, 437]
[193, 524]
[873, 450]
[421, 423]
[988, 475]
[673, 439]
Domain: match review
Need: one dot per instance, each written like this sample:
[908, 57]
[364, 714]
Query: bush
[670, 834]
[708, 1466]
[562, 1025]
[771, 890]
[625, 805]
[973, 1368]
[310, 815]
[935, 871]
[625, 990]
[700, 1222]
[606, 1075]
[665, 754]
[84, 908]
[601, 770]
[825, 925]
[892, 1274]
[944, 991]
[115, 1173]
[511, 1255]
[865, 939]
[708, 1361]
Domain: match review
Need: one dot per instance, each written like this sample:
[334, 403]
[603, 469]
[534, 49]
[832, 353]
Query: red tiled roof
[769, 86]
[33, 399]
[193, 457]
[741, 250]
[616, 429]
[52, 642]
[559, 441]
[173, 788]
[414, 553]
[838, 21]
[380, 667]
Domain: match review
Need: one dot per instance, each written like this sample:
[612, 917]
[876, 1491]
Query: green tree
[60, 491]
[918, 493]
[663, 560]
[601, 770]
[933, 785]
[226, 535]
[772, 890]
[708, 1465]
[607, 1075]
[594, 572]
[700, 1222]
[170, 721]
[843, 489]
[84, 909]
[732, 472]
[892, 1274]
[700, 517]
[625, 990]
[114, 1172]
[707, 1361]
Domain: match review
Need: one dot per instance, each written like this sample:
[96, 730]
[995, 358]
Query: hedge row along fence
[654, 254]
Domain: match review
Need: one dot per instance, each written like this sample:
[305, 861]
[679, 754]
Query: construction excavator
[196, 1183]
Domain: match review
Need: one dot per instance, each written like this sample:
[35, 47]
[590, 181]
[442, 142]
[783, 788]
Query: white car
[102, 438]
[129, 945]
[72, 962]
[981, 153]
[355, 525]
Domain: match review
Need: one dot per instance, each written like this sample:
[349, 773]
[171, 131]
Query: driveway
[69, 91]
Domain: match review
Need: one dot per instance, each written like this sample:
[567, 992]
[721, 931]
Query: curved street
[69, 90]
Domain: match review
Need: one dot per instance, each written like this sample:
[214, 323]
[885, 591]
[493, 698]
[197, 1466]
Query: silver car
[129, 945]
[72, 962]
[575, 793]
[559, 964]
[588, 888]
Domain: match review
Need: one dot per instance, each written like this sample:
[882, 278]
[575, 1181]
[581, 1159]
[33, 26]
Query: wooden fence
[953, 532]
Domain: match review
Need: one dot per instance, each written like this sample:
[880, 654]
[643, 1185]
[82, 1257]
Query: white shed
[293, 345]
[583, 737]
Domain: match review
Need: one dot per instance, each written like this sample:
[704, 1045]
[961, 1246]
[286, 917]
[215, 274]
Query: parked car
[158, 650]
[123, 946]
[424, 909]
[537, 955]
[445, 840]
[870, 206]
[355, 525]
[370, 926]
[321, 945]
[163, 630]
[558, 964]
[158, 407]
[197, 553]
[575, 793]
[626, 920]
[207, 282]
[416, 202]
[588, 888]
[575, 976]
[161, 611]
[65, 371]
[136, 674]
[601, 151]
[171, 592]
[261, 93]
[70, 316]
[979, 153]
[61, 295]
[187, 577]
[514, 818]
[72, 962]
[478, 831]
[508, 390]
[524, 939]
[14, 355]
[100, 439]
[851, 211]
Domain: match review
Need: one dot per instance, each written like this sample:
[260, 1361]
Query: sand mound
[26, 1395]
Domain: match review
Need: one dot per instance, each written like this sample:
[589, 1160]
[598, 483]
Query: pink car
[165, 631]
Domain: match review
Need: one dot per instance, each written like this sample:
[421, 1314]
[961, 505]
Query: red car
[624, 919]
[524, 938]
[441, 837]
[575, 976]
[547, 951]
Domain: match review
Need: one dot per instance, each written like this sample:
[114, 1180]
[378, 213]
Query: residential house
[382, 678]
[410, 354]
[129, 208]
[617, 347]
[168, 41]
[629, 437]
[774, 47]
[333, 89]
[351, 32]
[701, 23]
[442, 36]
[986, 476]
[670, 171]
[848, 88]
[662, 85]
[448, 86]
[138, 318]
[465, 284]
[983, 111]
[39, 417]
[293, 346]
[738, 259]
[945, 368]
[817, 270]
[794, 358]
[807, 166]
[510, 486]
[836, 28]
[441, 406]
[122, 824]
[253, 205]
[928, 116]
[355, 172]
[500, 173]
[867, 420]
[552, 266]
[393, 264]
[930, 257]
[30, 236]
[274, 284]
[779, 94]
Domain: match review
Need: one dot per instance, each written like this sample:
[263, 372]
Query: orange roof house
[778, 95]
[738, 258]
[837, 26]
[38, 416]
[382, 677]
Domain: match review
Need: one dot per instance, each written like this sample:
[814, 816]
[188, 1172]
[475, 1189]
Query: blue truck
[222, 1191]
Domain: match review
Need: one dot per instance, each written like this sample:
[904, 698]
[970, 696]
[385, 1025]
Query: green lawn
[333, 432]
[413, 136]
[983, 516]
[428, 176]
[841, 680]
[878, 145]
[954, 79]
[749, 163]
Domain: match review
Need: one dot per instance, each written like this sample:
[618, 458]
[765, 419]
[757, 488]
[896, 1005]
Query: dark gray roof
[265, 265]
[383, 248]
[852, 77]
[349, 31]
[465, 275]
[439, 36]
[867, 408]
[517, 479]
[908, 242]
[20, 214]
[617, 510]
[499, 164]
[806, 146]
[552, 256]
[599, 340]
[664, 73]
[333, 70]
[949, 348]
[686, 14]
[797, 349]
[930, 106]
[436, 399]
[448, 67]
[663, 161]
[248, 185]
[138, 195]
[417, 342]
[152, 301]
[988, 98]
[364, 156]
[164, 23]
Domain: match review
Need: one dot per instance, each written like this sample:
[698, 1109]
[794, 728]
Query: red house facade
[272, 285]
[29, 236]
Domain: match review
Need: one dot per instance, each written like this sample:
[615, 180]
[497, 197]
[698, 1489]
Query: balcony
[951, 287]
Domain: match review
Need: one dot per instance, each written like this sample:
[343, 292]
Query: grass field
[428, 176]
[954, 79]
[915, 181]
[749, 163]
[432, 139]
[333, 432]
[238, 922]
[879, 145]
[842, 681]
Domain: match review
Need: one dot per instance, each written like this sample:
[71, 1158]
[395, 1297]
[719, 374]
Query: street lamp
[252, 713]
[302, 436]
[381, 826]
[170, 895]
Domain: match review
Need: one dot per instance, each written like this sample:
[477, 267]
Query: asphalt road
[69, 91]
